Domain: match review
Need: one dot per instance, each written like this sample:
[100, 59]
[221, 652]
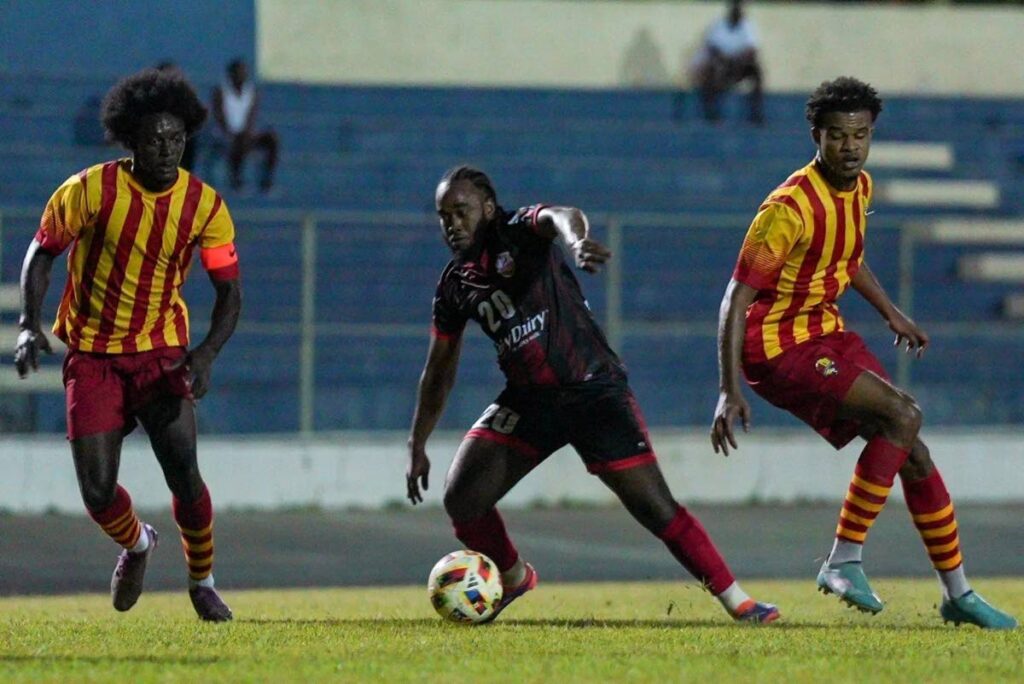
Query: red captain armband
[220, 262]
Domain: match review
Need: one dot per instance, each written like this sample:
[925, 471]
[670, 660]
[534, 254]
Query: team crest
[826, 366]
[505, 265]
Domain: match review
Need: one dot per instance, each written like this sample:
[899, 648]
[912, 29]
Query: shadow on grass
[586, 623]
[108, 659]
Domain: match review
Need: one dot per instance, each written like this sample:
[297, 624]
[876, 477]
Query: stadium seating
[614, 153]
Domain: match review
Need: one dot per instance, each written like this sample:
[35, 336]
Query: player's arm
[436, 384]
[226, 309]
[35, 279]
[867, 285]
[732, 326]
[572, 226]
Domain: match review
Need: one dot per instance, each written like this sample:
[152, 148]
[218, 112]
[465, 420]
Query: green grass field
[561, 632]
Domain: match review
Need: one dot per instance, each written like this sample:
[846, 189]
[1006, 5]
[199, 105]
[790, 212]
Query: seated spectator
[729, 57]
[235, 103]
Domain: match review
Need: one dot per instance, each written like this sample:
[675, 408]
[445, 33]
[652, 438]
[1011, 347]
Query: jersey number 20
[500, 301]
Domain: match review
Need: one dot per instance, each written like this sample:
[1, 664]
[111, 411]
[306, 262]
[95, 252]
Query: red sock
[869, 488]
[932, 511]
[689, 542]
[487, 535]
[195, 521]
[118, 520]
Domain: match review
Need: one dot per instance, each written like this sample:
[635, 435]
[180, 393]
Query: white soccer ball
[465, 586]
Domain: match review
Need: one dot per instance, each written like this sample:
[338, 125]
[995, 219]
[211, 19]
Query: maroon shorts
[104, 391]
[812, 379]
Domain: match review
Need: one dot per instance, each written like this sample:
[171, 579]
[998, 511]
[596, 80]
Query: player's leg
[170, 422]
[238, 147]
[931, 509]
[610, 435]
[96, 422]
[268, 142]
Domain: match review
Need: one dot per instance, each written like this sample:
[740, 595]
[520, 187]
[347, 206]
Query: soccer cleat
[850, 584]
[509, 595]
[974, 610]
[126, 584]
[209, 605]
[751, 611]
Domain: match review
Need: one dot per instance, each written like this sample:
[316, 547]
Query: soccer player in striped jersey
[565, 385]
[132, 226]
[780, 323]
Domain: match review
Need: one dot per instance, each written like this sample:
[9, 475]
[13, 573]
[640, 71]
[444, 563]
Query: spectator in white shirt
[235, 103]
[729, 57]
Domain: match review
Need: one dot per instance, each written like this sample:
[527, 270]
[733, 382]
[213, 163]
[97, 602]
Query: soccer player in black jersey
[565, 385]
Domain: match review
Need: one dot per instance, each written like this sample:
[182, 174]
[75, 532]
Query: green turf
[659, 632]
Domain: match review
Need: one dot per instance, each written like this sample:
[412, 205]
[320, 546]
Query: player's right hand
[590, 255]
[26, 351]
[729, 407]
[416, 474]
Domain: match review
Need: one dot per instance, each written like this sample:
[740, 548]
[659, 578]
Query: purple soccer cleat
[756, 613]
[209, 605]
[511, 594]
[126, 584]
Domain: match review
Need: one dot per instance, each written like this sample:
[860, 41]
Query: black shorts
[599, 418]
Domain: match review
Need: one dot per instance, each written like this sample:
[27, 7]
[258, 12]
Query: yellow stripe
[949, 564]
[847, 515]
[191, 548]
[851, 535]
[932, 517]
[939, 531]
[196, 533]
[120, 520]
[870, 487]
[861, 503]
[943, 548]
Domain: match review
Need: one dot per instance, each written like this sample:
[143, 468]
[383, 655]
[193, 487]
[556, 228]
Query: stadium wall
[367, 470]
[70, 38]
[605, 44]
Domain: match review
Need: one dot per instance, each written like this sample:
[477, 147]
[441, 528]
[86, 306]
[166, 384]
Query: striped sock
[487, 535]
[689, 542]
[119, 521]
[869, 488]
[195, 521]
[932, 511]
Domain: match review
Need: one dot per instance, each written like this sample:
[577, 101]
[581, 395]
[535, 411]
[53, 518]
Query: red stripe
[193, 195]
[199, 556]
[838, 245]
[939, 557]
[807, 268]
[149, 263]
[852, 526]
[942, 522]
[88, 279]
[115, 279]
[519, 445]
[939, 541]
[867, 496]
[621, 464]
[858, 511]
[196, 538]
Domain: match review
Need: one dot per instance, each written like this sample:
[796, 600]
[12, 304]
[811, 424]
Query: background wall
[612, 44]
[109, 39]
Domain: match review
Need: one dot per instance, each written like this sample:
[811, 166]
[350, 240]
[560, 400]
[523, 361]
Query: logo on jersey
[826, 366]
[523, 333]
[505, 265]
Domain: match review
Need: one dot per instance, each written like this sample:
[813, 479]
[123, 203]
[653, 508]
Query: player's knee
[459, 507]
[98, 495]
[904, 418]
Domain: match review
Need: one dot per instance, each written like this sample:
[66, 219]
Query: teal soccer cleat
[974, 610]
[850, 584]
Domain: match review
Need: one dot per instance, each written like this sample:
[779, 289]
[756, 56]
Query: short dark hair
[475, 176]
[844, 94]
[150, 91]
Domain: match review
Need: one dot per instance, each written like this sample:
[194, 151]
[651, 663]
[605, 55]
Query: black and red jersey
[524, 295]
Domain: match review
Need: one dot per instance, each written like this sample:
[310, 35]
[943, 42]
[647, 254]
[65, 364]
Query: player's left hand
[908, 333]
[199, 363]
[590, 254]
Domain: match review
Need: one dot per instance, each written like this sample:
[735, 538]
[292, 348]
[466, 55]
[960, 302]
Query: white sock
[143, 542]
[205, 582]
[845, 552]
[515, 575]
[954, 582]
[733, 597]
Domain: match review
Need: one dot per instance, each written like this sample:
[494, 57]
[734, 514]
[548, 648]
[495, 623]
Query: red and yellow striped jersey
[130, 253]
[802, 250]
